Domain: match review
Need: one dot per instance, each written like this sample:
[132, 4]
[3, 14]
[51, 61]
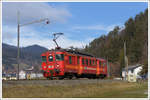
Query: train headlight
[44, 67]
[50, 66]
[57, 66]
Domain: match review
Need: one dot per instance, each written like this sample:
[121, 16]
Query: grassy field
[99, 90]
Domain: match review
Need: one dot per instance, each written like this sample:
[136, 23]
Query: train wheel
[50, 78]
[70, 76]
[102, 76]
[61, 78]
[77, 76]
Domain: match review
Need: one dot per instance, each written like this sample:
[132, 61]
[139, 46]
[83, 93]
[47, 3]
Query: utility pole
[18, 37]
[108, 68]
[126, 61]
[18, 53]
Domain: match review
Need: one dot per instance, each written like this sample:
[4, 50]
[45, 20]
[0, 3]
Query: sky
[81, 22]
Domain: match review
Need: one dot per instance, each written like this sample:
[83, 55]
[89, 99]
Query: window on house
[132, 71]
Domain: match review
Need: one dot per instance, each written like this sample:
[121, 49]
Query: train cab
[52, 63]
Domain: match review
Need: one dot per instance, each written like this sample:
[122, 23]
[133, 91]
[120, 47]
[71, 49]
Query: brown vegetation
[96, 90]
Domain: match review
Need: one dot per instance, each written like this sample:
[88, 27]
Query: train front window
[50, 58]
[43, 58]
[59, 57]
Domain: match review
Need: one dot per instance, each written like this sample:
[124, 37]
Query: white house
[26, 74]
[22, 74]
[133, 70]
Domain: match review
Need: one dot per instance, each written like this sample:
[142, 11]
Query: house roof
[133, 67]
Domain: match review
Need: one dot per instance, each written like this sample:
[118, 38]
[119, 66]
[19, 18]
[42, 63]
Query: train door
[78, 64]
[98, 67]
[101, 66]
[80, 67]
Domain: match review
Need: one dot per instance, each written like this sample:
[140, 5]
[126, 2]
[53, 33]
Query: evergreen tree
[135, 34]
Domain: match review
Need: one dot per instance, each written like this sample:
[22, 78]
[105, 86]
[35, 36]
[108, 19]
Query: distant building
[4, 76]
[133, 70]
[29, 73]
[22, 74]
[9, 76]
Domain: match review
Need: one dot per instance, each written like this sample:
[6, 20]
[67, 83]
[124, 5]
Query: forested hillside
[111, 46]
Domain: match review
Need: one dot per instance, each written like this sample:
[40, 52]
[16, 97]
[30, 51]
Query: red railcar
[63, 63]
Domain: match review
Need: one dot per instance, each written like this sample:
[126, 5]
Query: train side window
[78, 61]
[59, 57]
[90, 62]
[96, 62]
[93, 62]
[104, 64]
[82, 61]
[87, 62]
[70, 60]
[100, 64]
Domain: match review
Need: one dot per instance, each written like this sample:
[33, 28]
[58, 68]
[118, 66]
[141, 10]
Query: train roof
[75, 52]
[100, 59]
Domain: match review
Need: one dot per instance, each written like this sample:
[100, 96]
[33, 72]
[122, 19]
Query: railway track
[55, 82]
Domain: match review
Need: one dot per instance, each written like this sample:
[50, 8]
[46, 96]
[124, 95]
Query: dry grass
[100, 90]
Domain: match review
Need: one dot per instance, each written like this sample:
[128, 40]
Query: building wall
[135, 71]
[22, 75]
